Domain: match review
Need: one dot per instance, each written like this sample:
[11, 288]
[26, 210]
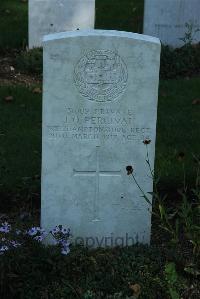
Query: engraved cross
[96, 174]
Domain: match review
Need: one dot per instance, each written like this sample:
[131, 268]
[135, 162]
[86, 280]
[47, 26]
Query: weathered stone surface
[50, 16]
[166, 19]
[99, 105]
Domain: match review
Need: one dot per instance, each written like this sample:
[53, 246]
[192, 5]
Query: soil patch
[9, 75]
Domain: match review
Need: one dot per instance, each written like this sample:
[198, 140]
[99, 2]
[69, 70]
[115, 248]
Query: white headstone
[50, 16]
[166, 19]
[99, 105]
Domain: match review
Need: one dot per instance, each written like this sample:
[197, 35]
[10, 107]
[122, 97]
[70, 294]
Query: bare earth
[10, 76]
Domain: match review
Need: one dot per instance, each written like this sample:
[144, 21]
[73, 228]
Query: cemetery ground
[83, 273]
[170, 267]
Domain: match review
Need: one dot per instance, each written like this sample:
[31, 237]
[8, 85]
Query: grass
[14, 23]
[20, 134]
[20, 138]
[110, 14]
[45, 274]
[126, 15]
[177, 130]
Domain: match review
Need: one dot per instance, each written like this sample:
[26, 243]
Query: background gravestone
[166, 20]
[99, 105]
[49, 16]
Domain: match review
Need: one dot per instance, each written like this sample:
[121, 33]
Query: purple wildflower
[61, 236]
[65, 231]
[41, 237]
[3, 248]
[65, 251]
[34, 231]
[37, 233]
[65, 247]
[5, 228]
[56, 231]
[15, 244]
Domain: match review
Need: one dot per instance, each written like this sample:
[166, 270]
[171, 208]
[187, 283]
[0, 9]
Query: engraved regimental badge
[101, 75]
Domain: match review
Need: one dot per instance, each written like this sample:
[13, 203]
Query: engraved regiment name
[99, 124]
[101, 75]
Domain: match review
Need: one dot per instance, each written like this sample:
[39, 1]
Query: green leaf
[192, 270]
[174, 294]
[170, 272]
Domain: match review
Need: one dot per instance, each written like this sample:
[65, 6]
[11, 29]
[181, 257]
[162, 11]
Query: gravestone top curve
[99, 32]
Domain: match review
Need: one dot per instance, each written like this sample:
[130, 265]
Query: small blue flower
[35, 230]
[32, 231]
[65, 251]
[3, 249]
[41, 237]
[15, 244]
[5, 227]
[65, 231]
[55, 230]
